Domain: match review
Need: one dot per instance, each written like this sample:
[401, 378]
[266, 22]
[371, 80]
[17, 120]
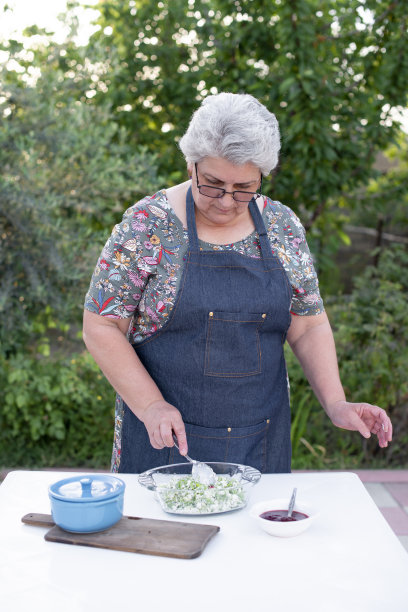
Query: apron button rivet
[267, 420]
[264, 315]
[211, 314]
[229, 429]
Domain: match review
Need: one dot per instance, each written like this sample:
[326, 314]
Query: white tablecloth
[348, 561]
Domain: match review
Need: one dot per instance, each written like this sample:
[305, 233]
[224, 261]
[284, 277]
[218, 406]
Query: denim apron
[219, 359]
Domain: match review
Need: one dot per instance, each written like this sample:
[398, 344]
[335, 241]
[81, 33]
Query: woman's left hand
[362, 417]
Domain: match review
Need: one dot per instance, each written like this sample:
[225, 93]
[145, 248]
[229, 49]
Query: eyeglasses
[218, 192]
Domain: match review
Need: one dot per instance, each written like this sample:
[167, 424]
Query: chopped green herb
[188, 496]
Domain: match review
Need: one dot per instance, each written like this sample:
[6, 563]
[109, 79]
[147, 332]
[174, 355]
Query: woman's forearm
[315, 349]
[106, 341]
[311, 339]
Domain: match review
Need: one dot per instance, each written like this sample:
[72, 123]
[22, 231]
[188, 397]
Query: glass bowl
[178, 493]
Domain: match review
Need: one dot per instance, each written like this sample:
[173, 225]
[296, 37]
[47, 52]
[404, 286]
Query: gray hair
[235, 127]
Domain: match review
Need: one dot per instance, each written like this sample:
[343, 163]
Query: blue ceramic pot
[85, 504]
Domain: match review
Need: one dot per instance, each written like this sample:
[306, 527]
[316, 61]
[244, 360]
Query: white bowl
[283, 529]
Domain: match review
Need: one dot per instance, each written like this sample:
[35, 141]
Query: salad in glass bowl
[179, 493]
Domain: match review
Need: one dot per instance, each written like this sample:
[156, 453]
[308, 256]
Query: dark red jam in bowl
[281, 516]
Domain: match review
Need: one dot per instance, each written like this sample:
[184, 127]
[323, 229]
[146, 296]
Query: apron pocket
[246, 445]
[233, 346]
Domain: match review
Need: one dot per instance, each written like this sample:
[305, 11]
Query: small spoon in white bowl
[200, 471]
[292, 502]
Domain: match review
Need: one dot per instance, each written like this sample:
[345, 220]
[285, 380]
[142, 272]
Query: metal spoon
[200, 471]
[292, 502]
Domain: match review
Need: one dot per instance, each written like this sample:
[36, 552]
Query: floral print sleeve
[288, 241]
[140, 256]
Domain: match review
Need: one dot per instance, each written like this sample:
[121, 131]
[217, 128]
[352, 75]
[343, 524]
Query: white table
[348, 561]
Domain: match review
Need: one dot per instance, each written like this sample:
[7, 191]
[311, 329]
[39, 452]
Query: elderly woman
[192, 300]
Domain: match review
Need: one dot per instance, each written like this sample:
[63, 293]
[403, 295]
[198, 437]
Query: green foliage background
[87, 130]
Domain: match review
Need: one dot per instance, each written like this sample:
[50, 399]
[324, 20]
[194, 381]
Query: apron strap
[191, 223]
[264, 243]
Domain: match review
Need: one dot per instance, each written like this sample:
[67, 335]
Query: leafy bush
[333, 89]
[66, 174]
[56, 412]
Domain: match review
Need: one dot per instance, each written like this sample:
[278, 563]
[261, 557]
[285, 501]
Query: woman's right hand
[161, 419]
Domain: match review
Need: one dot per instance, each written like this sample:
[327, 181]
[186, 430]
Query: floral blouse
[139, 270]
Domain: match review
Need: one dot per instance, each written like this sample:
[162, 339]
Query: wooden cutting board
[135, 534]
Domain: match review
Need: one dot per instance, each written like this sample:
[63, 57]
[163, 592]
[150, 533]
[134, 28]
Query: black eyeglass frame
[253, 194]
